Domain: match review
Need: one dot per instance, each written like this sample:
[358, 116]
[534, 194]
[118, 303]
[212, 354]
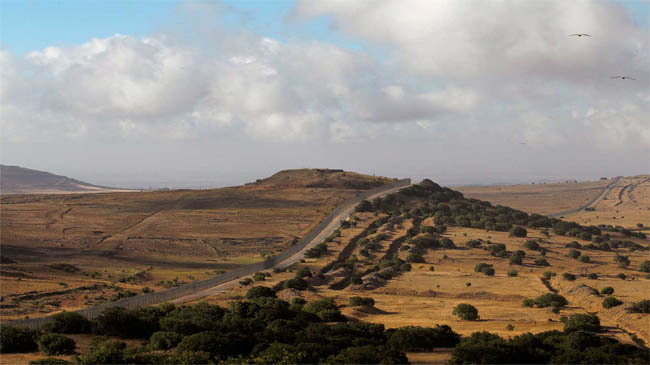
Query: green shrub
[297, 283]
[67, 322]
[611, 302]
[532, 245]
[592, 276]
[608, 290]
[432, 269]
[582, 322]
[568, 276]
[641, 307]
[304, 273]
[56, 344]
[163, 340]
[260, 292]
[466, 312]
[324, 308]
[412, 338]
[516, 260]
[512, 273]
[361, 301]
[529, 303]
[584, 258]
[550, 300]
[622, 261]
[518, 231]
[540, 261]
[549, 274]
[621, 276]
[16, 339]
[259, 276]
[574, 254]
[246, 281]
[645, 266]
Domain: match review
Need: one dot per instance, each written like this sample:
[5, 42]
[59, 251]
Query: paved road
[593, 201]
[291, 260]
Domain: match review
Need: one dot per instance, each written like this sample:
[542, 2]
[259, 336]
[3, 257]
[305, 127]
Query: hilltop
[20, 180]
[319, 178]
[157, 239]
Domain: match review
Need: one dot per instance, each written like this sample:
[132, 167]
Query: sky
[205, 94]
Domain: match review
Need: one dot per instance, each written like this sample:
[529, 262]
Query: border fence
[199, 285]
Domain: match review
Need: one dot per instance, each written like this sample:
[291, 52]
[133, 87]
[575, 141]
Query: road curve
[326, 232]
[593, 201]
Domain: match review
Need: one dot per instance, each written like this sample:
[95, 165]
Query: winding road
[326, 232]
[593, 201]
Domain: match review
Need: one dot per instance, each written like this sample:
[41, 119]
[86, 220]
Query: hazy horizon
[197, 94]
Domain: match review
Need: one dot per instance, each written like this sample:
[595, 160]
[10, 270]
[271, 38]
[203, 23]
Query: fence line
[195, 286]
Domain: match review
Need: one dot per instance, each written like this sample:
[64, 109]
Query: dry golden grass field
[68, 251]
[422, 296]
[537, 198]
[425, 295]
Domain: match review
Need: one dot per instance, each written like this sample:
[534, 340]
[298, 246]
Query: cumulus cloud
[450, 73]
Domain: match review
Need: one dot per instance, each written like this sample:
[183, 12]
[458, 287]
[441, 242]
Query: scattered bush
[163, 340]
[592, 276]
[260, 292]
[548, 275]
[584, 258]
[420, 339]
[547, 300]
[532, 245]
[518, 231]
[67, 322]
[622, 261]
[645, 266]
[512, 273]
[582, 322]
[568, 276]
[621, 276]
[540, 261]
[610, 302]
[466, 312]
[608, 290]
[361, 301]
[16, 339]
[297, 283]
[56, 344]
[574, 254]
[641, 307]
[246, 281]
[516, 260]
[484, 268]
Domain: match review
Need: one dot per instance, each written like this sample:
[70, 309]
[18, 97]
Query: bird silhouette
[579, 35]
[622, 77]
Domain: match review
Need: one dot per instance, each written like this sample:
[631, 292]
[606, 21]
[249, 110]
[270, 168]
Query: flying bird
[580, 35]
[622, 77]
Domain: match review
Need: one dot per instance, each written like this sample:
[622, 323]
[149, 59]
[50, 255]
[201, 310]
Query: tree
[568, 276]
[466, 312]
[516, 260]
[540, 261]
[641, 307]
[163, 340]
[608, 290]
[622, 261]
[16, 339]
[413, 338]
[532, 245]
[512, 273]
[574, 254]
[611, 302]
[584, 258]
[645, 266]
[361, 301]
[67, 322]
[518, 231]
[582, 322]
[550, 300]
[56, 344]
[260, 292]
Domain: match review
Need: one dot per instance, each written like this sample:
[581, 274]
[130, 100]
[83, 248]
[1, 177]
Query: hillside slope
[20, 180]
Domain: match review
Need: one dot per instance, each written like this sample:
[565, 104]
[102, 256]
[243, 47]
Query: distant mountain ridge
[20, 180]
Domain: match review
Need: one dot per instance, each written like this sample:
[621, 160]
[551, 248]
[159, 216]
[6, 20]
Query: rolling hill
[20, 180]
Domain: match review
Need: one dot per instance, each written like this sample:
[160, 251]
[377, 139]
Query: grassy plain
[119, 242]
[541, 198]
